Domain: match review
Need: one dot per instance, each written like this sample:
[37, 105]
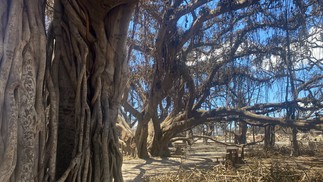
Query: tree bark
[242, 136]
[269, 140]
[141, 138]
[90, 69]
[126, 137]
[87, 41]
[24, 131]
[162, 149]
[168, 129]
[295, 146]
[159, 145]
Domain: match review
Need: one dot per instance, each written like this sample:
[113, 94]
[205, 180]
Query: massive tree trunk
[161, 150]
[22, 110]
[90, 69]
[169, 128]
[159, 146]
[149, 115]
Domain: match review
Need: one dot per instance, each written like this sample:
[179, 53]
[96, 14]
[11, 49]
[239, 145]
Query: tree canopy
[258, 62]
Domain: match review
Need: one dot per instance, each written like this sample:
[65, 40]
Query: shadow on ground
[136, 169]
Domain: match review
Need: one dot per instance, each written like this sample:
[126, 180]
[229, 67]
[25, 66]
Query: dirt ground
[206, 157]
[136, 169]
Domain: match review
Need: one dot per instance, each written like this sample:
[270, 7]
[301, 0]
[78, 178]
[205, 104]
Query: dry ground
[204, 157]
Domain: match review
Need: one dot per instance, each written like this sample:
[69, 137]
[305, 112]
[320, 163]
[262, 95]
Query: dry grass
[282, 151]
[258, 172]
[262, 168]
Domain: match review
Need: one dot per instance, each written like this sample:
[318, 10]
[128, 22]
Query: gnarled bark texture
[73, 97]
[90, 69]
[24, 133]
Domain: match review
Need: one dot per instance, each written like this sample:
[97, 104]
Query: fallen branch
[227, 144]
[189, 139]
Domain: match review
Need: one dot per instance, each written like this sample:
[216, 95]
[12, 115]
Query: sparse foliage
[200, 61]
[64, 71]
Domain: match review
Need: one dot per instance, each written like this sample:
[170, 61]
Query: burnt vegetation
[253, 63]
[85, 83]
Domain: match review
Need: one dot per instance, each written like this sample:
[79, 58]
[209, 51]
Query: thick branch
[131, 109]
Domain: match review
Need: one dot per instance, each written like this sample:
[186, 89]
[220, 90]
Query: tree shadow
[158, 167]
